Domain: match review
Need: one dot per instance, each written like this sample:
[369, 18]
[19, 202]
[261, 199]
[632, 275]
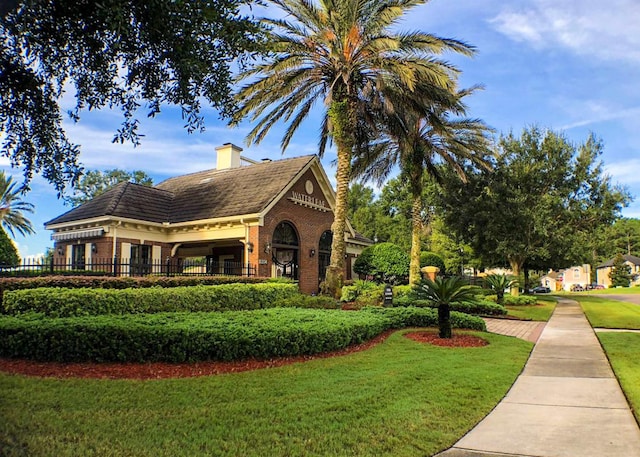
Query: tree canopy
[544, 198]
[96, 182]
[122, 54]
[12, 207]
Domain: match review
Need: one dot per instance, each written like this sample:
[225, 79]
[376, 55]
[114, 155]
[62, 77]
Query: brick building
[271, 217]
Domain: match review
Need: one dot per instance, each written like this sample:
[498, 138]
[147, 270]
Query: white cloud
[605, 30]
[626, 173]
[594, 113]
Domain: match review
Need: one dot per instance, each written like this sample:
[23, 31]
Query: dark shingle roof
[125, 200]
[204, 195]
[230, 192]
[629, 258]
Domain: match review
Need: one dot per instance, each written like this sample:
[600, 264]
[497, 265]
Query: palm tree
[12, 207]
[418, 138]
[442, 292]
[499, 283]
[341, 54]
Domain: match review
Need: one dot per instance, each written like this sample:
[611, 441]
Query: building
[567, 279]
[269, 218]
[602, 271]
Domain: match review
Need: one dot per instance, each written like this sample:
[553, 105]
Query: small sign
[388, 296]
[262, 261]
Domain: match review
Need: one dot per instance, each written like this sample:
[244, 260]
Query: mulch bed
[457, 341]
[159, 370]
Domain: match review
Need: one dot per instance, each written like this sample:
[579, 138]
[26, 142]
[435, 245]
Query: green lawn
[539, 312]
[622, 350]
[605, 313]
[400, 398]
[614, 290]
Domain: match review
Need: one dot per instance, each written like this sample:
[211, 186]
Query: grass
[541, 311]
[622, 350]
[612, 291]
[400, 398]
[604, 313]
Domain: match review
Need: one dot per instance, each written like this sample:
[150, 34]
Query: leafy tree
[363, 213]
[418, 138]
[8, 252]
[95, 182]
[620, 273]
[499, 283]
[341, 55]
[114, 53]
[544, 198]
[442, 292]
[386, 262]
[12, 207]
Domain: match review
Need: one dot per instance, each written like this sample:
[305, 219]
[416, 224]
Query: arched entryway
[324, 254]
[285, 249]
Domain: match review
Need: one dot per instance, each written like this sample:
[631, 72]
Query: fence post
[168, 263]
[51, 265]
[115, 265]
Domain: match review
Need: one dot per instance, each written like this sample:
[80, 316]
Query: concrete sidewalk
[566, 402]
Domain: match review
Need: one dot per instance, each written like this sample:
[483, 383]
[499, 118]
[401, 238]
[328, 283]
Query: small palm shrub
[498, 283]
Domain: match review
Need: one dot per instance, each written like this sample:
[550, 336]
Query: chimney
[228, 156]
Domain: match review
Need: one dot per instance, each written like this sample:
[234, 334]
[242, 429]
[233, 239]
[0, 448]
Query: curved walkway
[565, 403]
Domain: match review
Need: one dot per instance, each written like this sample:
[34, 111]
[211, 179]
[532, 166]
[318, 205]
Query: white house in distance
[579, 275]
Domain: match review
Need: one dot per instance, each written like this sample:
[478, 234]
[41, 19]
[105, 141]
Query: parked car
[595, 287]
[577, 288]
[540, 290]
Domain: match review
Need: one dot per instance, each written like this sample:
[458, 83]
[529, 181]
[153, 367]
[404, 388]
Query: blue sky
[561, 64]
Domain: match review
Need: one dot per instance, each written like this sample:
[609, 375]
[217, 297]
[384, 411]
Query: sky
[570, 66]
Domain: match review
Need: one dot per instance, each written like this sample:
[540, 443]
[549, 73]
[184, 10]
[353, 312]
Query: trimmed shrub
[309, 302]
[522, 300]
[123, 282]
[477, 308]
[386, 262]
[60, 302]
[431, 259]
[188, 337]
[411, 316]
[359, 287]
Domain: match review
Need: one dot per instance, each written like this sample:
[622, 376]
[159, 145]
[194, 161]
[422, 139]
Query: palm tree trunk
[416, 230]
[342, 132]
[444, 320]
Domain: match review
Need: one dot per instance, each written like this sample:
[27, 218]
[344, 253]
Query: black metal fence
[129, 267]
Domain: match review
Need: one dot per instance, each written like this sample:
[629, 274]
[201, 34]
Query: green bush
[477, 308]
[8, 252]
[307, 301]
[431, 259]
[386, 262]
[522, 300]
[359, 287]
[411, 316]
[193, 336]
[61, 302]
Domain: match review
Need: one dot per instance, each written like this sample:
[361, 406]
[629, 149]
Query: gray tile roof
[629, 258]
[204, 195]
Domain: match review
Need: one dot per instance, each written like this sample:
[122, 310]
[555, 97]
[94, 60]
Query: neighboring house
[579, 275]
[602, 271]
[552, 280]
[271, 217]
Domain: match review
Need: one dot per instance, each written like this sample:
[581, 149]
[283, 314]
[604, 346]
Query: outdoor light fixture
[94, 248]
[312, 252]
[60, 251]
[250, 247]
[267, 247]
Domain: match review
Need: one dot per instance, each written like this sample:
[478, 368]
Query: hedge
[60, 302]
[188, 337]
[478, 308]
[522, 300]
[121, 282]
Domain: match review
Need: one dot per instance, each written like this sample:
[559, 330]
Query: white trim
[77, 234]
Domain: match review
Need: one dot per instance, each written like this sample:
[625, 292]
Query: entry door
[140, 259]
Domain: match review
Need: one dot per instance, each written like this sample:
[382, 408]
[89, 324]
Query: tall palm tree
[341, 54]
[12, 207]
[418, 139]
[442, 292]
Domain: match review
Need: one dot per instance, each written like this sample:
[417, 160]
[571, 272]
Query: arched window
[325, 242]
[285, 248]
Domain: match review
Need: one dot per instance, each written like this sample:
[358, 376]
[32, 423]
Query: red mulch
[457, 341]
[159, 370]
